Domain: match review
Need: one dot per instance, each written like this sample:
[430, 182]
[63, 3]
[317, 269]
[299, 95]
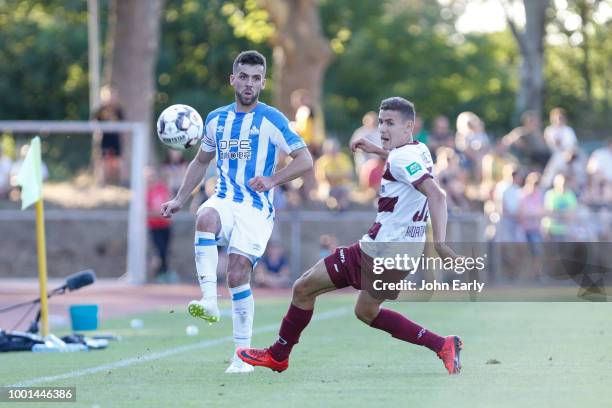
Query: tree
[579, 61]
[530, 94]
[131, 58]
[411, 48]
[301, 52]
[43, 46]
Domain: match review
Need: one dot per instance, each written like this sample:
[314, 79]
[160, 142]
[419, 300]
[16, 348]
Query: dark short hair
[250, 57]
[528, 115]
[399, 104]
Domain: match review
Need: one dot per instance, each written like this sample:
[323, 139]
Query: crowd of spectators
[533, 183]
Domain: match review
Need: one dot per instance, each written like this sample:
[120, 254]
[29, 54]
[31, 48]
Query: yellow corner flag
[30, 175]
[30, 180]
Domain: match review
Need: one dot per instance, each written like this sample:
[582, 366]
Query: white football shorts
[245, 230]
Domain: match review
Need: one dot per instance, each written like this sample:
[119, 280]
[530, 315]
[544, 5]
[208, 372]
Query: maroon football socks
[294, 322]
[401, 328]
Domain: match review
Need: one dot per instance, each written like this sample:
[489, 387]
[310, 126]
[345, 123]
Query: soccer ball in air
[179, 127]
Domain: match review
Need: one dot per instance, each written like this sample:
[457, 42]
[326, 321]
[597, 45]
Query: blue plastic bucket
[84, 317]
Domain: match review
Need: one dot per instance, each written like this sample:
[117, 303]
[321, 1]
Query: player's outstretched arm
[193, 176]
[301, 163]
[368, 147]
[436, 198]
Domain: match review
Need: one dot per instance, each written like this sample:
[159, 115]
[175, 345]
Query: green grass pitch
[548, 354]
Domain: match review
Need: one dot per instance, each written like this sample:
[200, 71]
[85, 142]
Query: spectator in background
[23, 152]
[5, 174]
[370, 175]
[472, 142]
[203, 191]
[419, 132]
[174, 167]
[453, 179]
[309, 125]
[333, 173]
[15, 193]
[493, 164]
[368, 131]
[112, 168]
[560, 204]
[272, 271]
[508, 230]
[295, 193]
[526, 142]
[531, 211]
[561, 140]
[575, 170]
[507, 198]
[327, 244]
[368, 165]
[599, 169]
[440, 135]
[160, 228]
[558, 135]
[280, 199]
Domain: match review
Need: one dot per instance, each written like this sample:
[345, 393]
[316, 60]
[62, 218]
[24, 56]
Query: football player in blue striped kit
[246, 137]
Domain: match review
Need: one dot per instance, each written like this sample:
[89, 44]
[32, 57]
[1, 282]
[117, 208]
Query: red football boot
[261, 357]
[450, 354]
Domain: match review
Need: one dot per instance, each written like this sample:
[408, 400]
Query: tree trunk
[134, 39]
[109, 45]
[531, 92]
[531, 43]
[301, 52]
[585, 13]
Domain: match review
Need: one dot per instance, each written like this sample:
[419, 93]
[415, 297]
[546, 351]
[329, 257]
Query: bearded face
[248, 81]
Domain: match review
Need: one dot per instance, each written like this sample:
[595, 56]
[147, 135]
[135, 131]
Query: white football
[180, 127]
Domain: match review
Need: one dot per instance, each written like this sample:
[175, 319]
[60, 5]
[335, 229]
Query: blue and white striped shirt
[247, 145]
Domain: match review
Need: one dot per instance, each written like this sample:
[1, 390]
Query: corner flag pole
[42, 267]
[30, 180]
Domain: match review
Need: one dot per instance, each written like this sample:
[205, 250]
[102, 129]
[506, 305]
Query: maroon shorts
[350, 266]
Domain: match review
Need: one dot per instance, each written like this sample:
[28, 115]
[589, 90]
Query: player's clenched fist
[170, 207]
[261, 183]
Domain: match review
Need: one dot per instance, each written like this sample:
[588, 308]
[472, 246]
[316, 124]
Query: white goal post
[137, 232]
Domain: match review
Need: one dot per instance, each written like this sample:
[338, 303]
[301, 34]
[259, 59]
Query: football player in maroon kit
[408, 196]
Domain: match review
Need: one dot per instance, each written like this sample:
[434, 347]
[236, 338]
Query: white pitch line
[161, 354]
